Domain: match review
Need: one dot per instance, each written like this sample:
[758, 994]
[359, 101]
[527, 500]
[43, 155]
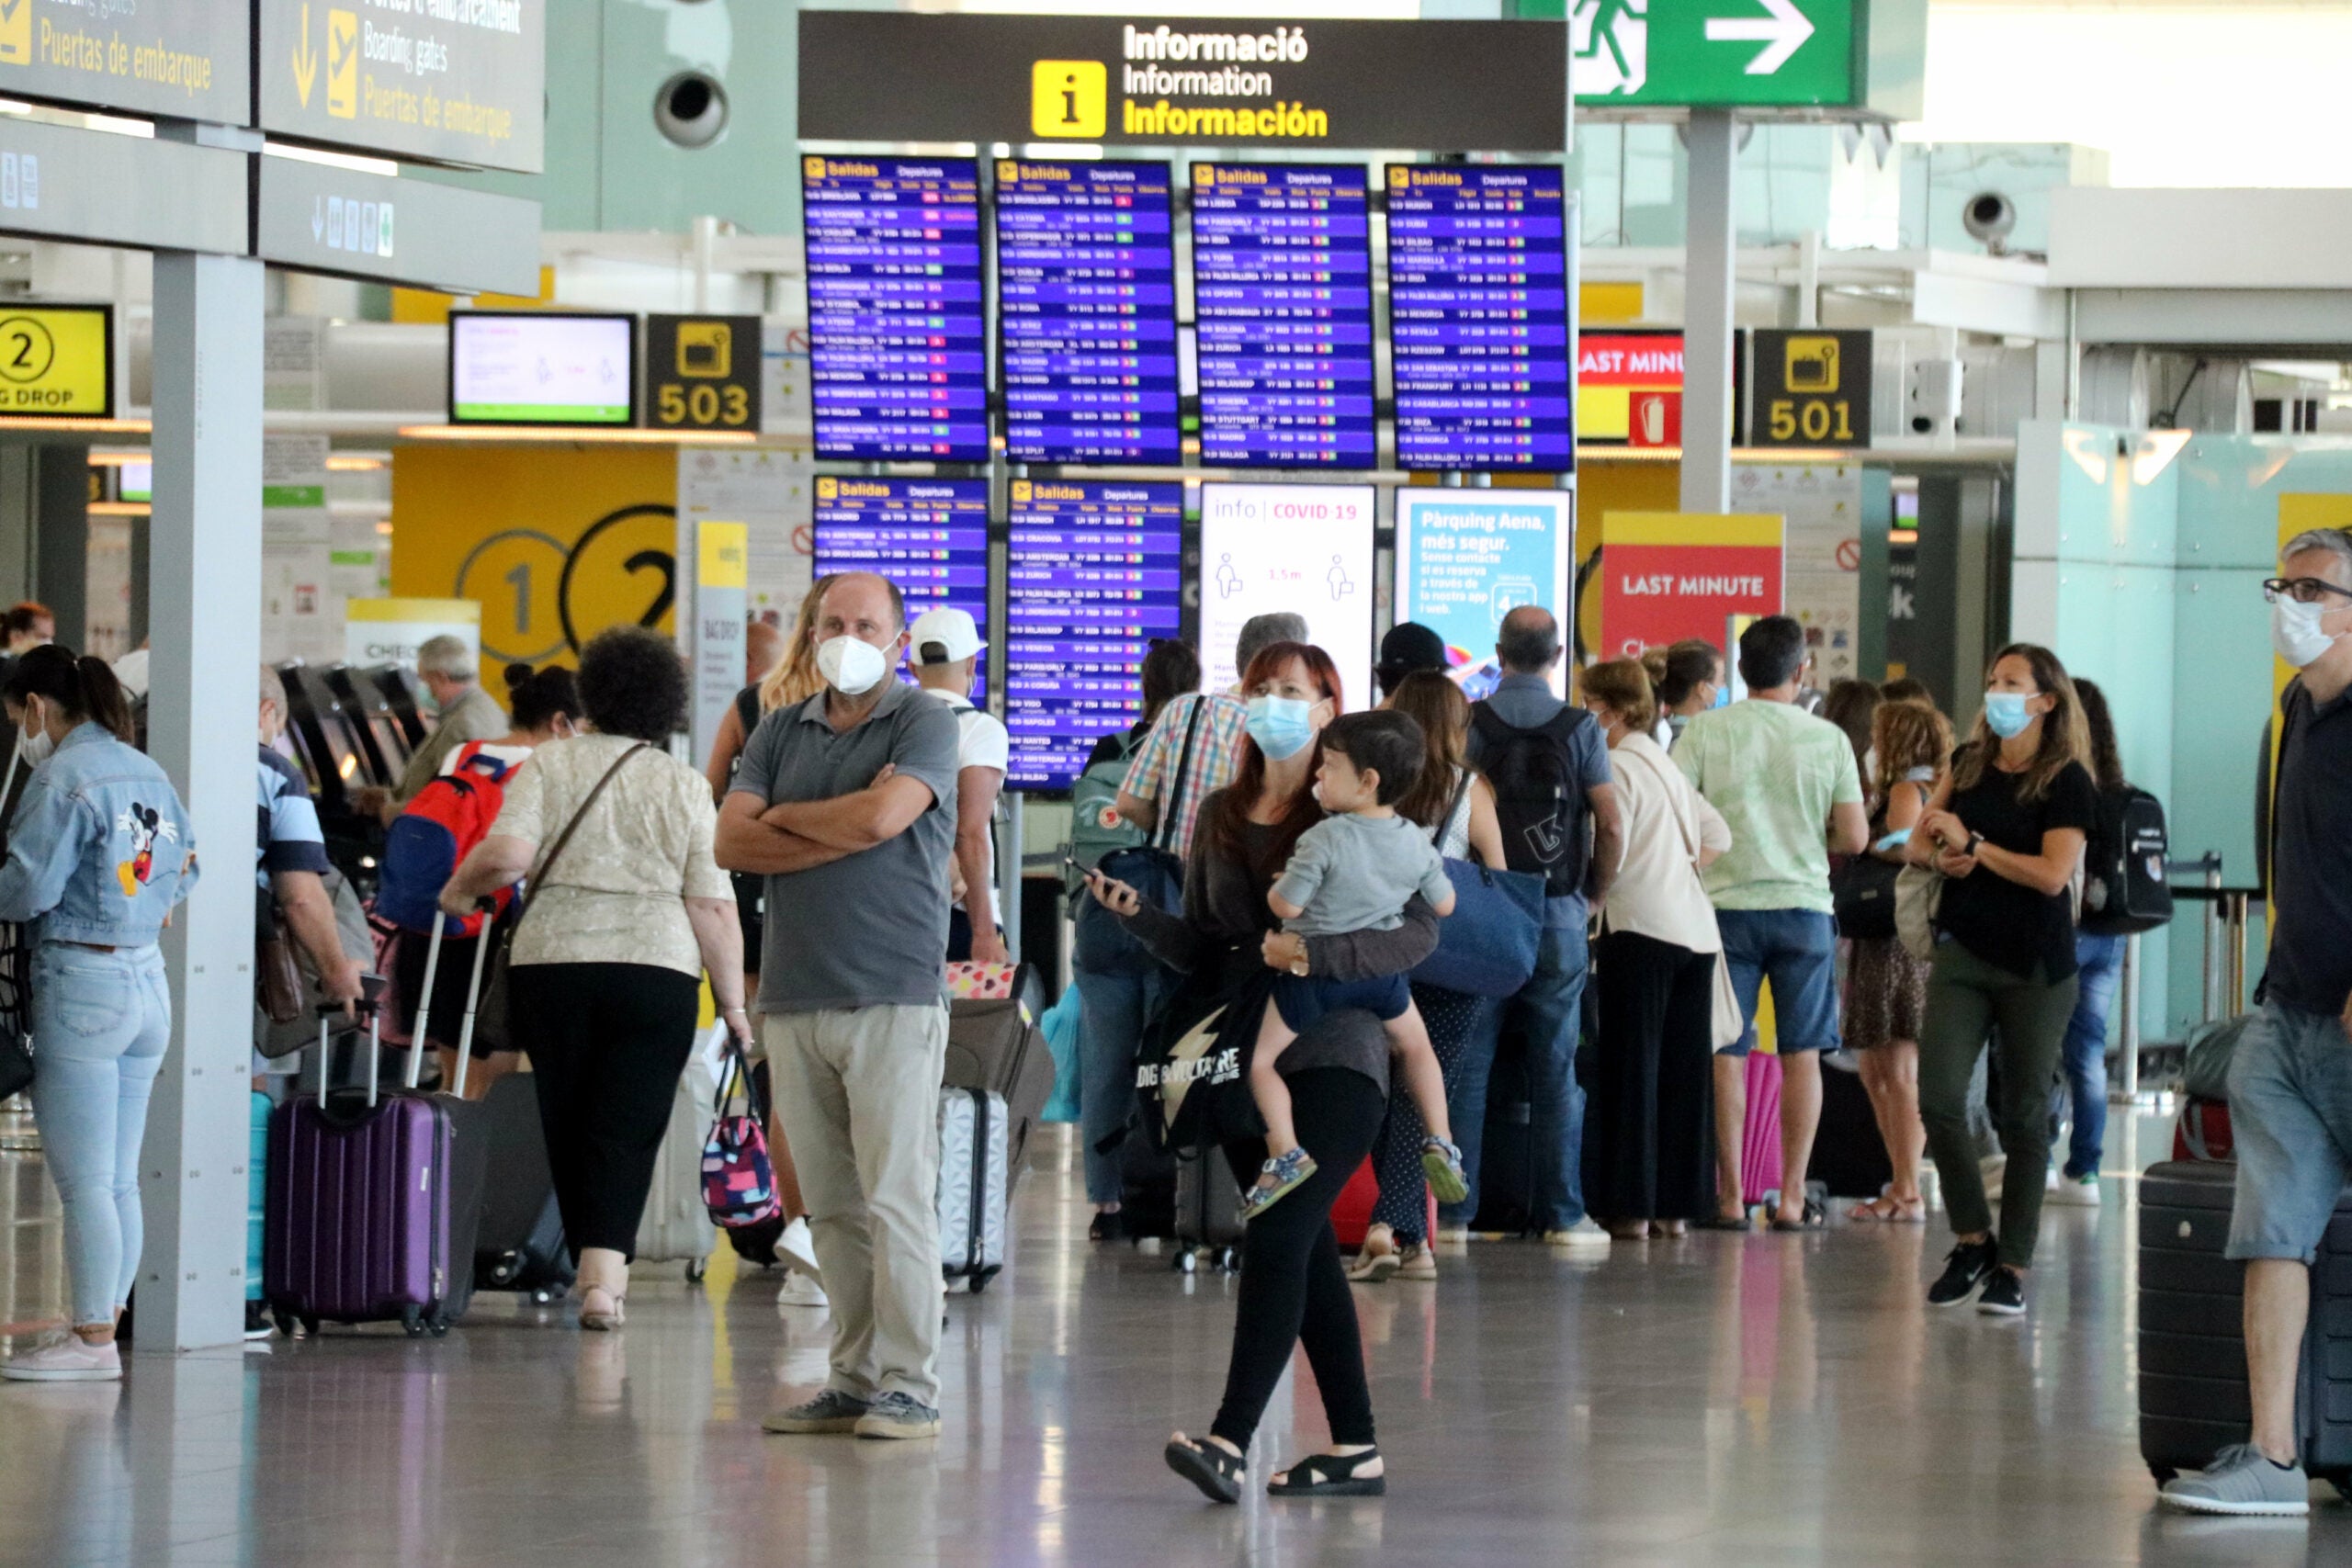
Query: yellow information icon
[1069, 98]
[342, 65]
[16, 32]
[1812, 365]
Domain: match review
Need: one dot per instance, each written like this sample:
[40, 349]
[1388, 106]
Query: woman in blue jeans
[99, 852]
[2100, 961]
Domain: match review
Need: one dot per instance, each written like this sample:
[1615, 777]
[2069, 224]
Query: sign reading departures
[446, 81]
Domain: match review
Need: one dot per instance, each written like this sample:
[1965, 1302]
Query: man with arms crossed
[2290, 1080]
[847, 803]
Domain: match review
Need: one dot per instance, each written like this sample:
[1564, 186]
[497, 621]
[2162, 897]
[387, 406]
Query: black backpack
[1537, 796]
[2124, 865]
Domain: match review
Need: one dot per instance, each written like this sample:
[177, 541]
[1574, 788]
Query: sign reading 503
[1813, 388]
[56, 362]
[703, 372]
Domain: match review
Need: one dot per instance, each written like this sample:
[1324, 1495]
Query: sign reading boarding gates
[459, 82]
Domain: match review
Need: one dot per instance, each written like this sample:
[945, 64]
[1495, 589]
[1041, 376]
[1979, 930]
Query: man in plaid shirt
[1216, 745]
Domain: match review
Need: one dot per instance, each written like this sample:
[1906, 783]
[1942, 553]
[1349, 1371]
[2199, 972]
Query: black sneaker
[1964, 1269]
[2004, 1294]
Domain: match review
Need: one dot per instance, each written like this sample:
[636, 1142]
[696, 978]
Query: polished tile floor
[1756, 1402]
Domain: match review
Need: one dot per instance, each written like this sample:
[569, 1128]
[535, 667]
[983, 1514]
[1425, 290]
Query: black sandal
[1208, 1466]
[1724, 1223]
[1811, 1217]
[1330, 1475]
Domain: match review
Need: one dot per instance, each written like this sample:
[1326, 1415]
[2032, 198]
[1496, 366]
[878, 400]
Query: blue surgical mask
[1281, 725]
[1722, 698]
[2004, 713]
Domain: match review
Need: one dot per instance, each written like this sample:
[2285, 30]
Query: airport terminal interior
[1780, 464]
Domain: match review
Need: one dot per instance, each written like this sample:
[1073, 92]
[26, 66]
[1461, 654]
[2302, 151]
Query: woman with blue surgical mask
[2005, 829]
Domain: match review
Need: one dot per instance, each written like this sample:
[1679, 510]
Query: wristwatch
[1298, 963]
[1975, 841]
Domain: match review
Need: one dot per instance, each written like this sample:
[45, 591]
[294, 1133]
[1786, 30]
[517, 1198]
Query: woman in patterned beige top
[610, 953]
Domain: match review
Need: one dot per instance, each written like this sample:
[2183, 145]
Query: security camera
[690, 110]
[1988, 215]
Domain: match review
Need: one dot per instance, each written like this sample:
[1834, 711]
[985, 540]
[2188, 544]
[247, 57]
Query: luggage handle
[418, 1040]
[489, 906]
[368, 1007]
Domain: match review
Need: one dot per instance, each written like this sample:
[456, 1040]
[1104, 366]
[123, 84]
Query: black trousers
[1647, 1125]
[606, 1044]
[1294, 1287]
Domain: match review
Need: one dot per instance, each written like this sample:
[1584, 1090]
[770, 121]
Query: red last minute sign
[1670, 575]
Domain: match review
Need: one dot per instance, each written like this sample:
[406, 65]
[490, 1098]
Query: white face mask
[34, 747]
[2295, 632]
[851, 667]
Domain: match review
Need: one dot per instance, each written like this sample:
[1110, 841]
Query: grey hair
[1259, 633]
[272, 689]
[449, 656]
[2337, 542]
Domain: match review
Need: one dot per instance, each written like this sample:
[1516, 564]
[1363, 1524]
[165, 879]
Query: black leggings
[1294, 1287]
[606, 1044]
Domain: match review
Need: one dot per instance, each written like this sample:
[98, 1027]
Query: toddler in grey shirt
[1354, 871]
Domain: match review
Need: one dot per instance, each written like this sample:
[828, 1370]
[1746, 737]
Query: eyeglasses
[2302, 589]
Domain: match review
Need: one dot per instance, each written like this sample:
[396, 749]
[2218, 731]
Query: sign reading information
[447, 81]
[55, 361]
[189, 59]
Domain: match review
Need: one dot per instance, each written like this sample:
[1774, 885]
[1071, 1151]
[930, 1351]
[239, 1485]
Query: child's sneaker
[1443, 1162]
[1279, 1175]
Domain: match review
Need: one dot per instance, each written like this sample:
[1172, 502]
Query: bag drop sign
[56, 362]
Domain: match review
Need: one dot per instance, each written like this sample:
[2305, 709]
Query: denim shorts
[1797, 950]
[2291, 1117]
[1303, 1001]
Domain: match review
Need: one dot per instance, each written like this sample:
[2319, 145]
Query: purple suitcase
[357, 1218]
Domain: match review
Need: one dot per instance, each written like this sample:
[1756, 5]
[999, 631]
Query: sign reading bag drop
[56, 361]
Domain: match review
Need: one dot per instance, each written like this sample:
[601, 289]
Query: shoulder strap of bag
[1461, 789]
[1166, 832]
[540, 871]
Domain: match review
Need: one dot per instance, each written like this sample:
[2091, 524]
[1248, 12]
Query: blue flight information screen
[1282, 303]
[1478, 318]
[1086, 312]
[1095, 574]
[897, 332]
[930, 537]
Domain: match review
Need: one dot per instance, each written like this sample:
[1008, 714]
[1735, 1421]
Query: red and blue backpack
[448, 817]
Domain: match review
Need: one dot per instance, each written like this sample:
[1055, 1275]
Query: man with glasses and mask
[2290, 1080]
[846, 803]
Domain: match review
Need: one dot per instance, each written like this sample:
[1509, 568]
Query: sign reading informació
[881, 76]
[189, 59]
[459, 82]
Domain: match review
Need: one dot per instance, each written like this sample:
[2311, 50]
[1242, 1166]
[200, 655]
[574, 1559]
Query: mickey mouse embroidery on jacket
[145, 825]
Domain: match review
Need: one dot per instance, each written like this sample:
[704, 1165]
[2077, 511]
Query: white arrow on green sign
[1730, 54]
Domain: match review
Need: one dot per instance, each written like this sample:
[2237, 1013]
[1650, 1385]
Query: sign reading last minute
[55, 362]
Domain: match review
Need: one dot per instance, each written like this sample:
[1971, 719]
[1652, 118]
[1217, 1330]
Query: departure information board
[930, 537]
[1095, 574]
[898, 336]
[1281, 293]
[1478, 318]
[1086, 310]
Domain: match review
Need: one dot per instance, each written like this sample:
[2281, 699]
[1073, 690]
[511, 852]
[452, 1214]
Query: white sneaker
[68, 1360]
[798, 1249]
[1583, 1234]
[800, 1291]
[2080, 1191]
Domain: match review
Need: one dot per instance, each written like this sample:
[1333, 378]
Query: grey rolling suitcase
[975, 1184]
[675, 1226]
[1208, 1212]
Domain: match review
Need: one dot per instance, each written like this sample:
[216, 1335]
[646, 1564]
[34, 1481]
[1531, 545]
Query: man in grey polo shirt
[847, 803]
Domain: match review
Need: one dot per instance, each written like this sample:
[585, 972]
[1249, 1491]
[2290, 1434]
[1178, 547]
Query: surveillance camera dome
[690, 109]
[1988, 217]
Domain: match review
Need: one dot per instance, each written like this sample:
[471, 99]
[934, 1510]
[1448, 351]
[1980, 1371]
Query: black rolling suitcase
[1506, 1153]
[1848, 1154]
[1208, 1212]
[2192, 1348]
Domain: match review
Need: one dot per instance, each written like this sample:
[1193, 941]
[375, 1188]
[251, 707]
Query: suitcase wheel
[1228, 1260]
[978, 1283]
[438, 1327]
[696, 1268]
[507, 1270]
[1185, 1261]
[547, 1294]
[285, 1322]
[412, 1322]
[309, 1326]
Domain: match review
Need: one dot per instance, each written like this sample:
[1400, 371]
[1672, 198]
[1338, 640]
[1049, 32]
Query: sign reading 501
[56, 362]
[1813, 388]
[703, 372]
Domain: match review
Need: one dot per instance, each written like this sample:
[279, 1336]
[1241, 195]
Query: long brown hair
[2065, 736]
[1431, 700]
[1906, 735]
[794, 677]
[1228, 823]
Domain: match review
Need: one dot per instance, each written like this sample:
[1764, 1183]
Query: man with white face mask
[2291, 1078]
[846, 803]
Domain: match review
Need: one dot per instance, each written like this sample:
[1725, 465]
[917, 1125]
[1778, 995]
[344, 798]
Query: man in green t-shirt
[1785, 782]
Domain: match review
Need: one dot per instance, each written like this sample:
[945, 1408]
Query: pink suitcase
[1759, 1144]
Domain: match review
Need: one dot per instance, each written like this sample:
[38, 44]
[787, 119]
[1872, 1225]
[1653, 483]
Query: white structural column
[204, 614]
[1709, 273]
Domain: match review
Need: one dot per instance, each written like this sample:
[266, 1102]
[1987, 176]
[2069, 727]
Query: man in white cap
[942, 648]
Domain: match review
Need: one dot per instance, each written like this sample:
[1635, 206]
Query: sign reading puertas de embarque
[446, 81]
[189, 59]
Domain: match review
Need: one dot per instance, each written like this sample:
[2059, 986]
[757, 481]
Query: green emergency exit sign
[1838, 58]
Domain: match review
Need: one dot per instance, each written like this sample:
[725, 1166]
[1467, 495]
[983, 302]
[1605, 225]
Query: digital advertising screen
[930, 537]
[1468, 558]
[1282, 301]
[1478, 318]
[542, 367]
[898, 332]
[1095, 571]
[1086, 312]
[1629, 388]
[1304, 548]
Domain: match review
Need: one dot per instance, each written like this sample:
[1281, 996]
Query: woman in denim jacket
[99, 852]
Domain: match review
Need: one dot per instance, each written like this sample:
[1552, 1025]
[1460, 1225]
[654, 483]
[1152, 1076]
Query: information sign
[189, 59]
[446, 81]
[96, 187]
[897, 326]
[1095, 574]
[320, 217]
[56, 361]
[1282, 292]
[930, 537]
[1813, 388]
[1086, 309]
[1465, 558]
[1478, 316]
[1305, 548]
[702, 372]
[541, 367]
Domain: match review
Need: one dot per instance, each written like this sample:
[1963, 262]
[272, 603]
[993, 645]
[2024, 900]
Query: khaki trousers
[857, 1089]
